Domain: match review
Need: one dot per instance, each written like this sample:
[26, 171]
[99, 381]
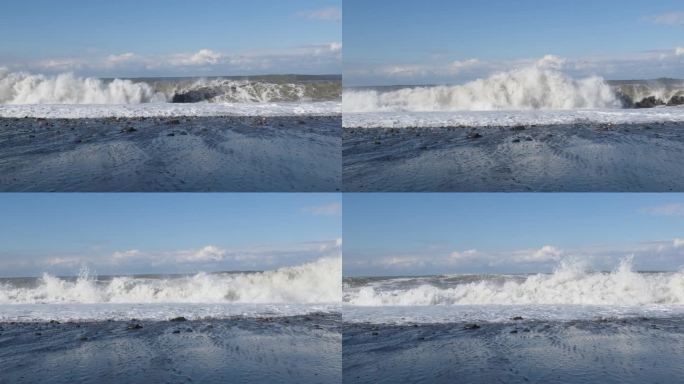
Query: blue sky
[443, 41]
[149, 233]
[164, 37]
[406, 234]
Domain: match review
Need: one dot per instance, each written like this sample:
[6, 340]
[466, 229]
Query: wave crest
[246, 91]
[540, 86]
[569, 284]
[314, 282]
[25, 88]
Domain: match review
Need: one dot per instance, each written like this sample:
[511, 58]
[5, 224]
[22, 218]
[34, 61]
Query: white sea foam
[156, 311]
[68, 96]
[569, 284]
[570, 292]
[25, 88]
[315, 282]
[540, 94]
[535, 87]
[240, 91]
[73, 111]
[503, 313]
[512, 118]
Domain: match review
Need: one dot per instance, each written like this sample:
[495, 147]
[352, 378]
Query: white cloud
[673, 209]
[300, 59]
[201, 57]
[543, 254]
[206, 253]
[331, 209]
[60, 64]
[464, 64]
[337, 47]
[466, 258]
[63, 261]
[632, 65]
[404, 261]
[122, 255]
[122, 58]
[207, 258]
[670, 18]
[453, 68]
[468, 254]
[403, 70]
[330, 14]
[653, 255]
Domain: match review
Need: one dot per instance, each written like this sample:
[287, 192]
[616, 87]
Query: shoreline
[541, 158]
[522, 351]
[231, 154]
[296, 349]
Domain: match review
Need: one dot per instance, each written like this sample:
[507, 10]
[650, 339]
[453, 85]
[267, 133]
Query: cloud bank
[208, 258]
[656, 255]
[639, 65]
[310, 59]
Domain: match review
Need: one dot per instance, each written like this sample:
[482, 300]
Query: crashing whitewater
[308, 288]
[542, 86]
[66, 95]
[571, 292]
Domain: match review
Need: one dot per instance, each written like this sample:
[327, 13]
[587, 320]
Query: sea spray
[314, 282]
[25, 88]
[20, 88]
[570, 284]
[540, 86]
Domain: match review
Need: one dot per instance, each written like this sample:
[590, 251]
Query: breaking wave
[315, 282]
[537, 87]
[26, 88]
[569, 284]
[246, 91]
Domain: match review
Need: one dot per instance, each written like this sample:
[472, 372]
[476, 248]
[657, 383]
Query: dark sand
[279, 154]
[604, 351]
[301, 349]
[592, 157]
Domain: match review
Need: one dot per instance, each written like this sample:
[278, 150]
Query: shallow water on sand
[286, 153]
[576, 157]
[299, 349]
[639, 350]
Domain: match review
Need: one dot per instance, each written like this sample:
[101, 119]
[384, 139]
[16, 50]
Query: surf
[309, 283]
[541, 86]
[571, 283]
[24, 88]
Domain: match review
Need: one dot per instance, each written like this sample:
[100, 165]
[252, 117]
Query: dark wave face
[649, 93]
[261, 89]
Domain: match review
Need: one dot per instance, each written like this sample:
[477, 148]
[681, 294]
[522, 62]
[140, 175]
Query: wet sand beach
[297, 349]
[238, 153]
[635, 350]
[571, 158]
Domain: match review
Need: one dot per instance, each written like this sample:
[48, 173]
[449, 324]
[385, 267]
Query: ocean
[528, 129]
[571, 326]
[24, 94]
[273, 133]
[282, 325]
